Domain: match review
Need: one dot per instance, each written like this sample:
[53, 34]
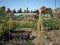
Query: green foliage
[27, 10]
[56, 23]
[20, 18]
[14, 11]
[1, 29]
[47, 11]
[36, 16]
[8, 10]
[6, 22]
[20, 10]
[58, 15]
[48, 23]
[32, 25]
[28, 43]
[2, 9]
[53, 22]
[11, 24]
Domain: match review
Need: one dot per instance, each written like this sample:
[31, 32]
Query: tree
[8, 10]
[20, 10]
[24, 11]
[14, 11]
[2, 9]
[27, 10]
[48, 10]
[31, 11]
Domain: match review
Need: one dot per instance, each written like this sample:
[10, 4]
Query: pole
[39, 26]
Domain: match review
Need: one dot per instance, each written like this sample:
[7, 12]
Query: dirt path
[40, 38]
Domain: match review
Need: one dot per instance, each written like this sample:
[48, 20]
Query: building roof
[18, 14]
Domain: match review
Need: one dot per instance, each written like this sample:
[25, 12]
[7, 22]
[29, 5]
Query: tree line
[8, 10]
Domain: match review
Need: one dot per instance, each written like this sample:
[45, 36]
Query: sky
[31, 4]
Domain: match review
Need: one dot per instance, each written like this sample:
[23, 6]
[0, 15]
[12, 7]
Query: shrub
[36, 16]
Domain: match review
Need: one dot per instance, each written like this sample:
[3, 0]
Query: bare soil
[47, 37]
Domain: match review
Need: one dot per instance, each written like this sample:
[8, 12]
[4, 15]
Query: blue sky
[31, 4]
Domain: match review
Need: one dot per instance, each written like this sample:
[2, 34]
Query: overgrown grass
[32, 25]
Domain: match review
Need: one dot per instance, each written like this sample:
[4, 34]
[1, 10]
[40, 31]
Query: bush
[51, 23]
[36, 16]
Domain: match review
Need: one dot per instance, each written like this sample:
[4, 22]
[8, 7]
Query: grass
[24, 24]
